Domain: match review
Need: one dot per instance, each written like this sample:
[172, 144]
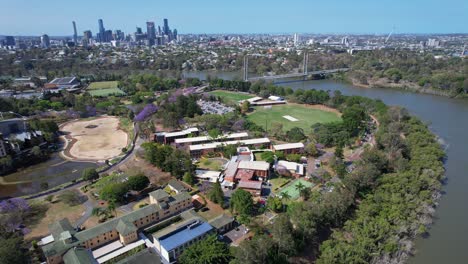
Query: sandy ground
[105, 141]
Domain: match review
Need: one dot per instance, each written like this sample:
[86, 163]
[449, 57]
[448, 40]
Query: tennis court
[292, 190]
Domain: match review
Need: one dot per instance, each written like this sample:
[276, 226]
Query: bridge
[297, 75]
[304, 74]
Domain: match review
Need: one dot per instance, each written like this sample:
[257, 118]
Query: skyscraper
[75, 35]
[166, 27]
[102, 31]
[151, 32]
[174, 33]
[45, 41]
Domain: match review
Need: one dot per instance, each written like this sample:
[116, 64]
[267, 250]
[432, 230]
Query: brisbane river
[448, 118]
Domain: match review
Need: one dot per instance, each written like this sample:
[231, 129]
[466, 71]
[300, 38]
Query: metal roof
[184, 234]
[289, 146]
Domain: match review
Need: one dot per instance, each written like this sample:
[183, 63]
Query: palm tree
[111, 207]
[285, 195]
[300, 186]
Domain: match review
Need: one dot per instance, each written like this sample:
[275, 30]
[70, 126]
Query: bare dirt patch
[96, 140]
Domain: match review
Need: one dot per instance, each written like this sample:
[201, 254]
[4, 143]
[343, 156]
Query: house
[176, 186]
[253, 187]
[207, 175]
[123, 229]
[223, 223]
[169, 137]
[289, 148]
[296, 169]
[173, 240]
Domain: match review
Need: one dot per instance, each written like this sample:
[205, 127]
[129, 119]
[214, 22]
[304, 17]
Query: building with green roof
[124, 228]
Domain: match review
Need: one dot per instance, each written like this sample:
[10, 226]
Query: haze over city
[53, 17]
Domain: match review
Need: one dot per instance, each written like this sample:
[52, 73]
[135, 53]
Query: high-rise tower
[166, 27]
[75, 35]
[151, 32]
[102, 31]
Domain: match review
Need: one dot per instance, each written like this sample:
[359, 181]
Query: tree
[311, 149]
[114, 191]
[339, 152]
[283, 235]
[49, 198]
[89, 174]
[137, 182]
[36, 151]
[208, 251]
[285, 196]
[214, 133]
[268, 156]
[295, 134]
[245, 107]
[188, 178]
[277, 129]
[12, 247]
[111, 206]
[70, 198]
[300, 186]
[216, 194]
[275, 204]
[241, 202]
[353, 119]
[44, 186]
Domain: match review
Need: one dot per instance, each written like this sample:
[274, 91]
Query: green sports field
[103, 85]
[291, 188]
[306, 116]
[106, 92]
[231, 96]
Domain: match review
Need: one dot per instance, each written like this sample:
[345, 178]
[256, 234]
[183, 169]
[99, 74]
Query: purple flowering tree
[147, 111]
[12, 213]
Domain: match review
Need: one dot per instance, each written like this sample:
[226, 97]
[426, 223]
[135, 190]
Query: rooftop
[79, 255]
[255, 185]
[254, 165]
[172, 237]
[176, 185]
[143, 257]
[221, 221]
[289, 146]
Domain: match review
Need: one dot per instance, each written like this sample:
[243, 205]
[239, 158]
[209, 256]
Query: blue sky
[53, 17]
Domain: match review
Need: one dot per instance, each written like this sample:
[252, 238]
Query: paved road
[87, 213]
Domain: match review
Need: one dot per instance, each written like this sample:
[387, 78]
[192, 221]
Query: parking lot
[209, 107]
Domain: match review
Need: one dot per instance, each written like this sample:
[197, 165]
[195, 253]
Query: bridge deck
[293, 75]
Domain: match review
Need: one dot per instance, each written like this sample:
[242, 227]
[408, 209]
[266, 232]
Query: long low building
[123, 228]
[289, 148]
[203, 149]
[172, 241]
[169, 137]
[202, 139]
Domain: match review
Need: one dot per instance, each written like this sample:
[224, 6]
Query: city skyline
[208, 16]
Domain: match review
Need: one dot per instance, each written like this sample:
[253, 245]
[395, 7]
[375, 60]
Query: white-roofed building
[296, 169]
[289, 148]
[208, 175]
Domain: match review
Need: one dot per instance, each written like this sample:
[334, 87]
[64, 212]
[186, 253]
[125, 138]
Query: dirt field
[98, 139]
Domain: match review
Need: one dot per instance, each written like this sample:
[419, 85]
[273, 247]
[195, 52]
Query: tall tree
[241, 202]
[207, 251]
[216, 194]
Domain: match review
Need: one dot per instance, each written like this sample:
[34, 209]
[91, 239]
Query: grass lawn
[277, 182]
[46, 213]
[307, 116]
[210, 164]
[291, 188]
[103, 85]
[106, 92]
[231, 96]
[214, 210]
